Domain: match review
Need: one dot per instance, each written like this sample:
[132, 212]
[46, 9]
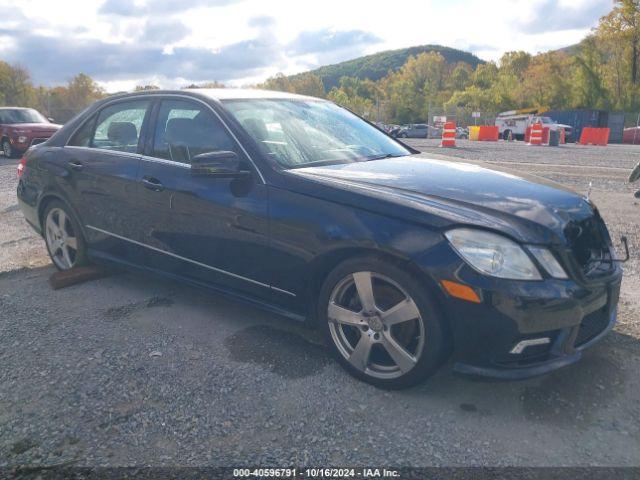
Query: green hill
[571, 50]
[376, 66]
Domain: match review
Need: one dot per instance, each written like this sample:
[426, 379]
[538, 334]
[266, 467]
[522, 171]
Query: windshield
[299, 133]
[21, 115]
[546, 119]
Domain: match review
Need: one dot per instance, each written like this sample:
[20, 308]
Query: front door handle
[75, 164]
[152, 184]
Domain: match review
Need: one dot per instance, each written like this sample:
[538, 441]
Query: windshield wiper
[319, 163]
[381, 157]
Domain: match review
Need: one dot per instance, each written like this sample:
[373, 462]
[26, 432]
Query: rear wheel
[382, 326]
[63, 236]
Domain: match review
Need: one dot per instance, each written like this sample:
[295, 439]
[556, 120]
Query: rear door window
[118, 126]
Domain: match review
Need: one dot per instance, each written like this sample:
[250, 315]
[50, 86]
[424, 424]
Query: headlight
[22, 139]
[493, 254]
[548, 261]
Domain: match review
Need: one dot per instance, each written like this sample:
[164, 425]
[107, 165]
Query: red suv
[22, 127]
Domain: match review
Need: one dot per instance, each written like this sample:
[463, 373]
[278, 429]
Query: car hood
[35, 127]
[529, 208]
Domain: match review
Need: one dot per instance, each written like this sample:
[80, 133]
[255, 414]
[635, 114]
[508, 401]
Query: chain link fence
[624, 126]
[631, 119]
[464, 117]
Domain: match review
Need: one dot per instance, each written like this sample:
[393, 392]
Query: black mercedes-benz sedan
[299, 206]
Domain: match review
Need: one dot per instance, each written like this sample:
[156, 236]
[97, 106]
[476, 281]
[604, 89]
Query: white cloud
[243, 41]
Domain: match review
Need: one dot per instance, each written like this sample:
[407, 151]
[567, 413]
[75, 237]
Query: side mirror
[635, 174]
[222, 163]
[51, 119]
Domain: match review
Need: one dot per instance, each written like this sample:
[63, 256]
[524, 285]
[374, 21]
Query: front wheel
[7, 149]
[381, 324]
[63, 236]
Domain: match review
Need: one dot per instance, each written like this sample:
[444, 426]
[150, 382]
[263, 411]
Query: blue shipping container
[580, 119]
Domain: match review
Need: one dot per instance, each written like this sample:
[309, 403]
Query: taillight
[21, 166]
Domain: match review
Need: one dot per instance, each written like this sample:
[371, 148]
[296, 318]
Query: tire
[7, 149]
[63, 236]
[387, 347]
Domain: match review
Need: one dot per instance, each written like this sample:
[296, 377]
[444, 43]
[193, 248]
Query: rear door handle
[75, 164]
[152, 184]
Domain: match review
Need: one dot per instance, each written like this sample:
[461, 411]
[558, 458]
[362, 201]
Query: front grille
[590, 246]
[592, 325]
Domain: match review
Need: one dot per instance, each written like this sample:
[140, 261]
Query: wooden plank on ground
[77, 275]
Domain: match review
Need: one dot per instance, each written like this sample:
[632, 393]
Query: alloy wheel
[6, 149]
[375, 325]
[61, 239]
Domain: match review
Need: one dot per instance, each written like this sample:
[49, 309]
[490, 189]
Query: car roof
[226, 93]
[16, 108]
[245, 93]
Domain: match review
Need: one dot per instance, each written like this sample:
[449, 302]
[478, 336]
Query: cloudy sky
[123, 43]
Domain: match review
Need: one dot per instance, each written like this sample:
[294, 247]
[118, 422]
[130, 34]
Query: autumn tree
[623, 23]
[280, 82]
[587, 81]
[460, 77]
[82, 91]
[546, 82]
[308, 84]
[515, 63]
[16, 88]
[214, 84]
[303, 84]
[416, 87]
[618, 37]
[63, 102]
[359, 96]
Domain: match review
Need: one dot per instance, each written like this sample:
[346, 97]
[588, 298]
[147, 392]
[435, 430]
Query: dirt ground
[132, 370]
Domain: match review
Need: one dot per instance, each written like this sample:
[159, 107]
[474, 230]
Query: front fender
[310, 236]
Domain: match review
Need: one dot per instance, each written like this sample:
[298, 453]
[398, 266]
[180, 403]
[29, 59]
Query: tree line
[602, 72]
[60, 102]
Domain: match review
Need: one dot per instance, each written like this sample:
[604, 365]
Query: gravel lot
[132, 370]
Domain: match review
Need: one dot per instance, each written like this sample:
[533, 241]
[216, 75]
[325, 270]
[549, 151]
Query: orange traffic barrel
[449, 135]
[536, 134]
